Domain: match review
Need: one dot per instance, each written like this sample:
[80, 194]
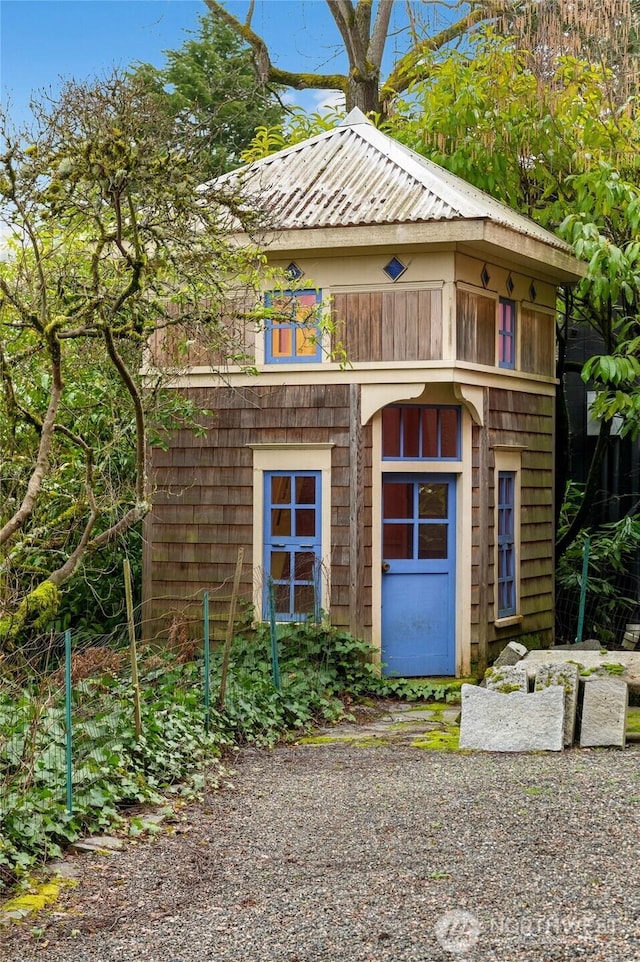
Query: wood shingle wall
[203, 501]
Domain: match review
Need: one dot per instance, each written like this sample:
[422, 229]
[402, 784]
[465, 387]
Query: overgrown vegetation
[610, 587]
[322, 670]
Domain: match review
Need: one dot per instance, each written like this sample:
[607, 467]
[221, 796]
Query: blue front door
[418, 574]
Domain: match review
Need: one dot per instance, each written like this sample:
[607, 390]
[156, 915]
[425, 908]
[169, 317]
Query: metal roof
[355, 175]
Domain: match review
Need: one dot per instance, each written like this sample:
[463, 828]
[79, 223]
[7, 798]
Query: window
[506, 507]
[292, 544]
[506, 333]
[293, 329]
[417, 433]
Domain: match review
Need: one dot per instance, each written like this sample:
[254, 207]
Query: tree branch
[406, 69]
[267, 72]
[141, 440]
[44, 449]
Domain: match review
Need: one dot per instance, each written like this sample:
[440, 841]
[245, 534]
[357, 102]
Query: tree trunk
[365, 94]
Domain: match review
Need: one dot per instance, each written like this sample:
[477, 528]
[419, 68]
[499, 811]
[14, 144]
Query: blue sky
[42, 40]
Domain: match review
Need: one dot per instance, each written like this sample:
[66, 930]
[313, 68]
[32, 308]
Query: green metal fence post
[583, 588]
[275, 664]
[207, 655]
[67, 713]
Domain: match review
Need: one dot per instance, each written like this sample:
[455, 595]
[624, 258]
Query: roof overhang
[489, 240]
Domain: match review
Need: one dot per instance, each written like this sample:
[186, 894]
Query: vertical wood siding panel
[465, 326]
[410, 347]
[388, 326]
[435, 315]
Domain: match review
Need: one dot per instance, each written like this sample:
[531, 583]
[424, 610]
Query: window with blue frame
[506, 333]
[293, 332]
[506, 508]
[292, 544]
[420, 433]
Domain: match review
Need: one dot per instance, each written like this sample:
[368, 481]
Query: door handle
[386, 566]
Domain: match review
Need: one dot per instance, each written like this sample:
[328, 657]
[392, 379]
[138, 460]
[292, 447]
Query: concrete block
[510, 655]
[515, 722]
[604, 713]
[506, 679]
[567, 677]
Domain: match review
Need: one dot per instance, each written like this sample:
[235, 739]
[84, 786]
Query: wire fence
[91, 723]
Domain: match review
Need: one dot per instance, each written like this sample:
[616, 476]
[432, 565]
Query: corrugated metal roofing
[356, 175]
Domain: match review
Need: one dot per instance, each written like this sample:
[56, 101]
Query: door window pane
[432, 500]
[432, 541]
[397, 499]
[397, 540]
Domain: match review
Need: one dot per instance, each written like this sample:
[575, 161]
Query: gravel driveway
[331, 852]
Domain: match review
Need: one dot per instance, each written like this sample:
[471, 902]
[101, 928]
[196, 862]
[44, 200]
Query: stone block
[567, 677]
[506, 679]
[510, 655]
[604, 713]
[514, 722]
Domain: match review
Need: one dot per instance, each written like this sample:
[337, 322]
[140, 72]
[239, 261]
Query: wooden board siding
[223, 339]
[475, 328]
[389, 325]
[537, 342]
[203, 501]
[525, 421]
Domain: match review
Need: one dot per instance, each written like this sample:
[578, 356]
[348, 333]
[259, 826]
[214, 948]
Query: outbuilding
[393, 469]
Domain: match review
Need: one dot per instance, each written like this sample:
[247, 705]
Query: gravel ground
[335, 852]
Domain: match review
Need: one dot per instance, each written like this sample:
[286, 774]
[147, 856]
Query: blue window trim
[294, 358]
[506, 571]
[421, 457]
[506, 338]
[292, 544]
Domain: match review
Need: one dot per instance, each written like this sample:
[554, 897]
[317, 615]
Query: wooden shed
[409, 493]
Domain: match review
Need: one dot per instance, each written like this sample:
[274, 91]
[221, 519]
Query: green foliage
[322, 671]
[612, 548]
[111, 767]
[34, 613]
[298, 126]
[210, 82]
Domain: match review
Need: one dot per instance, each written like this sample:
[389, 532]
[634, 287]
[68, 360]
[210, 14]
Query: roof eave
[550, 262]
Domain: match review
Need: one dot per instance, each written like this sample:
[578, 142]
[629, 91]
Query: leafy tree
[209, 83]
[112, 240]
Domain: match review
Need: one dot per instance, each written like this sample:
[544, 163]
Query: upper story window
[506, 333]
[421, 432]
[293, 328]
